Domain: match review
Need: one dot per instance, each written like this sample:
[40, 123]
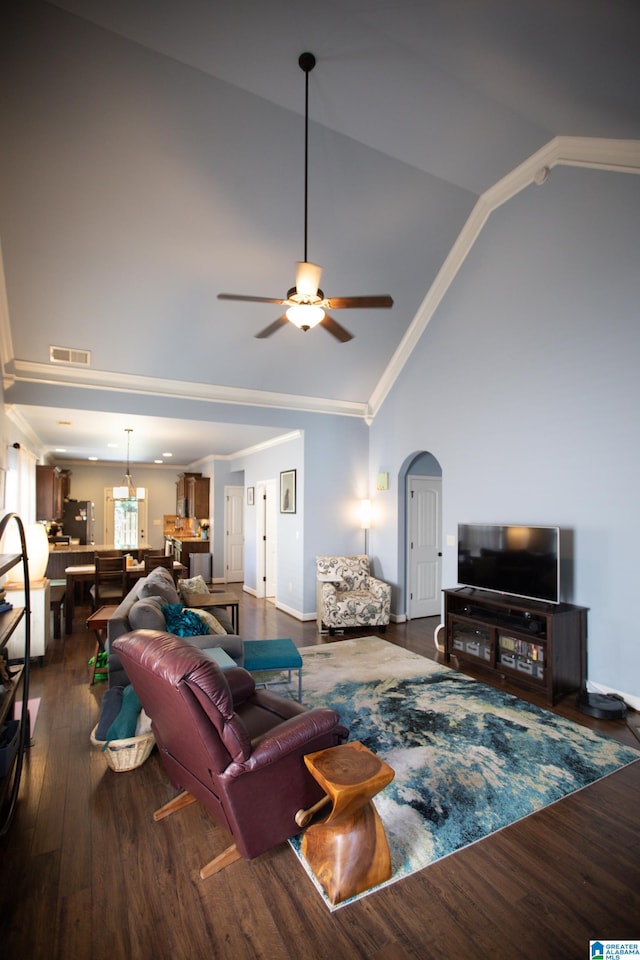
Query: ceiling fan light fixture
[305, 301]
[307, 278]
[305, 315]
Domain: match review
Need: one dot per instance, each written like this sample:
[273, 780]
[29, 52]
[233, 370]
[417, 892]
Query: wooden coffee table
[348, 852]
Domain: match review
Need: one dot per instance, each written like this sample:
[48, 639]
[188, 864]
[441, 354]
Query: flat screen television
[519, 560]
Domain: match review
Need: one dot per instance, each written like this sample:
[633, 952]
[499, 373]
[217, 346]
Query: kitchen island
[62, 555]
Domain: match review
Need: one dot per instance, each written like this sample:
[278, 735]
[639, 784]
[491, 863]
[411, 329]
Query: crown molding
[25, 428]
[6, 340]
[617, 156]
[265, 445]
[89, 379]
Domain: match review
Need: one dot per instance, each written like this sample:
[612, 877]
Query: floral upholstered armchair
[349, 596]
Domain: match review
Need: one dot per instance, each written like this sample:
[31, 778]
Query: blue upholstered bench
[273, 656]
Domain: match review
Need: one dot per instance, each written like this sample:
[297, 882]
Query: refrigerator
[78, 520]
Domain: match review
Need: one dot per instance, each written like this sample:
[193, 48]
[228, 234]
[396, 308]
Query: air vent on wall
[69, 355]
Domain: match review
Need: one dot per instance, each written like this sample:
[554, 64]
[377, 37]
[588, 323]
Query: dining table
[86, 573]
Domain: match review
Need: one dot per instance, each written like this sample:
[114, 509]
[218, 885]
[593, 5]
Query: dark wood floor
[87, 875]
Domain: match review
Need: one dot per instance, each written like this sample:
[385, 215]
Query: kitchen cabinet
[49, 497]
[198, 497]
[182, 493]
[192, 495]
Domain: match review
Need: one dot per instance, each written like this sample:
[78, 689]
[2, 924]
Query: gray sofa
[142, 609]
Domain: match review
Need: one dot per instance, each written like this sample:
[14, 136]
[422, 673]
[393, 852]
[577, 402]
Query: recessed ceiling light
[158, 461]
[167, 454]
[92, 458]
[61, 449]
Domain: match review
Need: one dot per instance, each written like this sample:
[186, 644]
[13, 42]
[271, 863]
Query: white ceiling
[156, 160]
[79, 434]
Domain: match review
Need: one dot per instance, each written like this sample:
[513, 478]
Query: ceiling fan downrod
[307, 62]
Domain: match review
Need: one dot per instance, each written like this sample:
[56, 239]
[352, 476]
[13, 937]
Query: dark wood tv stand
[540, 645]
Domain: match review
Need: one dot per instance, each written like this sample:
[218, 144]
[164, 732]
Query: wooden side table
[219, 599]
[98, 622]
[348, 852]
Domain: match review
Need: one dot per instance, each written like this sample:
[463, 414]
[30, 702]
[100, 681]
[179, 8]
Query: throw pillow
[183, 622]
[211, 622]
[156, 587]
[193, 587]
[124, 725]
[147, 615]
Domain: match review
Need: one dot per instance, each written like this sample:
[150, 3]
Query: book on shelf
[5, 606]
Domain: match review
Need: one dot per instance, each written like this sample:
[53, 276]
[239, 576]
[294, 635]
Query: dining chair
[153, 560]
[110, 584]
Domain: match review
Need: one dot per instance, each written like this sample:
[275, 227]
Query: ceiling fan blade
[334, 328]
[362, 303]
[240, 296]
[280, 322]
[307, 278]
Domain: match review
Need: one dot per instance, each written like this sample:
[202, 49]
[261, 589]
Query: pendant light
[128, 490]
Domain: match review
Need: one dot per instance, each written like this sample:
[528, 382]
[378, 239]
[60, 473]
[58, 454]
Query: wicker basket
[127, 754]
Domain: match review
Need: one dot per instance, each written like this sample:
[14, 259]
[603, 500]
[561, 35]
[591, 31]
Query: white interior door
[267, 503]
[424, 543]
[234, 534]
[271, 538]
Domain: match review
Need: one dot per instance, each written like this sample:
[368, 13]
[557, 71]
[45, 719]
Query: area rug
[469, 759]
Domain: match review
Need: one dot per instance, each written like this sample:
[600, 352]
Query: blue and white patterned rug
[469, 759]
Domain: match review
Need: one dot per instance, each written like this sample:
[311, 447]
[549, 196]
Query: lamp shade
[365, 514]
[307, 278]
[37, 551]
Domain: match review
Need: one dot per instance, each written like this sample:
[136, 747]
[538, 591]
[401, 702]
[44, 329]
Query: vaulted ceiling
[153, 157]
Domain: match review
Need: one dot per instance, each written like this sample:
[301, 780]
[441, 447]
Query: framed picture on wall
[288, 491]
[250, 491]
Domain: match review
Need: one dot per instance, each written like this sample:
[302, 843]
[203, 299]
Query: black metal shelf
[9, 620]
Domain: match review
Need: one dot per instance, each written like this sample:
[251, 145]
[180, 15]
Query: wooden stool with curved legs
[348, 852]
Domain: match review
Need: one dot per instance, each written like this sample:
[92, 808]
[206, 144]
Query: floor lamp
[365, 522]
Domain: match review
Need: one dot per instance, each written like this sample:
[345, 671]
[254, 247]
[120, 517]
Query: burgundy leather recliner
[235, 749]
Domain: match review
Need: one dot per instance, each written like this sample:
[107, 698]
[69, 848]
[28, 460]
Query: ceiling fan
[306, 303]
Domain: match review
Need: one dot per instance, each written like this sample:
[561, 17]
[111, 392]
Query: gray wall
[331, 461]
[525, 388]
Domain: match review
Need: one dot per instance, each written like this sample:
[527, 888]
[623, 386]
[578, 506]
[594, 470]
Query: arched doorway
[420, 534]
